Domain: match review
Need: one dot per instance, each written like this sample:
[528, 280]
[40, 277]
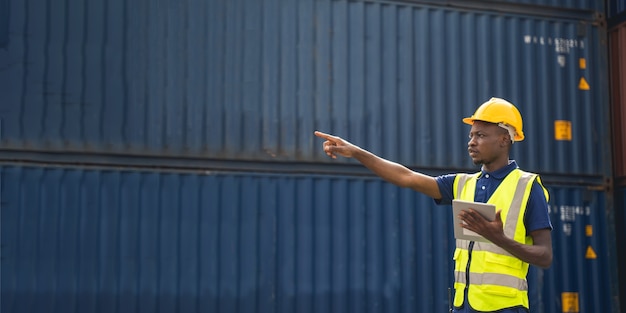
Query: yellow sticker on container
[563, 130]
[590, 254]
[582, 84]
[589, 230]
[570, 302]
[582, 63]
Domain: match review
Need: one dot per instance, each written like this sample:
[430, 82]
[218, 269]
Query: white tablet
[485, 209]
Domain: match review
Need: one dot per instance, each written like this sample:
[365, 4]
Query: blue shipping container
[539, 6]
[4, 23]
[620, 235]
[616, 8]
[86, 240]
[252, 80]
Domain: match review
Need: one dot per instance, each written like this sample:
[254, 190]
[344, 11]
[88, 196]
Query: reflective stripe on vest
[497, 279]
[493, 279]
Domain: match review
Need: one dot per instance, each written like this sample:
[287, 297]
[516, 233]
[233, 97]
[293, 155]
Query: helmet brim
[468, 121]
[519, 136]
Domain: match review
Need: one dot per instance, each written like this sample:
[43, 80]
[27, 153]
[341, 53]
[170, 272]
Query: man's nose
[472, 141]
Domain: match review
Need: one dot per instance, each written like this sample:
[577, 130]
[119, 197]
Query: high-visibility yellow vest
[497, 279]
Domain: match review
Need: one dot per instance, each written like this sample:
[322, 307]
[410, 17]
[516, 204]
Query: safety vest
[496, 278]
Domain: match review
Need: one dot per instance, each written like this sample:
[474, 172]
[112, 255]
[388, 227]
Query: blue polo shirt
[536, 216]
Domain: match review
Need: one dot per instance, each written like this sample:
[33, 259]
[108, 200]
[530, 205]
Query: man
[489, 277]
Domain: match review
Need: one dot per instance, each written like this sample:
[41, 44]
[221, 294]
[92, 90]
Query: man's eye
[476, 135]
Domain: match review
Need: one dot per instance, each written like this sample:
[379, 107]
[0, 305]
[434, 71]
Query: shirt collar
[502, 172]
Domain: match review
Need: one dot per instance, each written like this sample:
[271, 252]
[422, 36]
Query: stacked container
[617, 65]
[160, 155]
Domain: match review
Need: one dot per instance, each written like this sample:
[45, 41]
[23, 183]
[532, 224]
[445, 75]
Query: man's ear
[506, 139]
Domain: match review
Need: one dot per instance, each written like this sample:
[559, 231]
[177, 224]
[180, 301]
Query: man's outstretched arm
[392, 172]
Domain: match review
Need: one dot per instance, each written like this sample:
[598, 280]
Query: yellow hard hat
[499, 111]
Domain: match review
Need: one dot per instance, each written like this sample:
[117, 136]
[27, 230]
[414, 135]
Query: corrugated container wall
[597, 6]
[616, 8]
[618, 99]
[87, 240]
[620, 233]
[4, 23]
[252, 80]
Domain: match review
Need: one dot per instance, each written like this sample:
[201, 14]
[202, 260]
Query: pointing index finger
[325, 136]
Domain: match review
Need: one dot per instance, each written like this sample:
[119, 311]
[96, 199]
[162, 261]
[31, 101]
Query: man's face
[487, 143]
